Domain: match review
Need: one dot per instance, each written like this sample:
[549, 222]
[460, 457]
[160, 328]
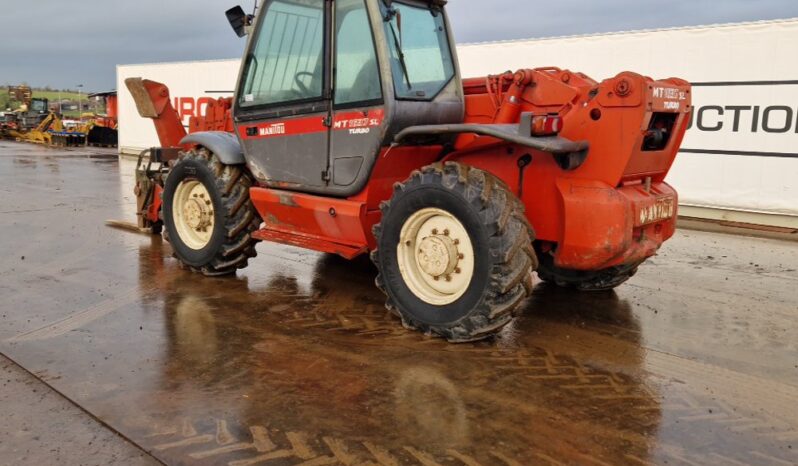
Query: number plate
[660, 209]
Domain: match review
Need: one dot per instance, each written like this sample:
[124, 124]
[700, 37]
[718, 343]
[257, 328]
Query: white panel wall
[187, 82]
[746, 180]
[756, 169]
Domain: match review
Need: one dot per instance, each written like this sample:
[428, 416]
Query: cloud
[63, 44]
[479, 20]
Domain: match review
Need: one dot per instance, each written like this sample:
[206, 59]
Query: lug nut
[461, 256]
[446, 232]
[457, 270]
[456, 242]
[408, 243]
[436, 278]
[434, 231]
[448, 278]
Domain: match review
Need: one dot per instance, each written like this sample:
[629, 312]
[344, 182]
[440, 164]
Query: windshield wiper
[401, 54]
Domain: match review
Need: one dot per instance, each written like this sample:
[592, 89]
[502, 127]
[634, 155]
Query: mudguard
[224, 145]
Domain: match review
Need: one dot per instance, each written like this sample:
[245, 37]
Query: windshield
[286, 61]
[421, 59]
[38, 106]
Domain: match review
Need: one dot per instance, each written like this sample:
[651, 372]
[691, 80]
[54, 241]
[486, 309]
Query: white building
[739, 161]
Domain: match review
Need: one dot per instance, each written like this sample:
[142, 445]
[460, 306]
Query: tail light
[546, 125]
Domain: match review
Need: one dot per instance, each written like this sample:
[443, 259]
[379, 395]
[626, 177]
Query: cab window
[357, 75]
[421, 57]
[286, 63]
[38, 106]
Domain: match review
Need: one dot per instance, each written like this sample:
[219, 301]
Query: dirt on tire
[240, 219]
[510, 252]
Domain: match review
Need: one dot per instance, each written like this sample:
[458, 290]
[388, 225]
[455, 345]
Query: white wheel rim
[193, 214]
[436, 257]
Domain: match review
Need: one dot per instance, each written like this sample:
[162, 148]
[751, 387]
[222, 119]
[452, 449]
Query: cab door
[358, 107]
[283, 98]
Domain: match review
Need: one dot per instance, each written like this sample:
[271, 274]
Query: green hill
[53, 95]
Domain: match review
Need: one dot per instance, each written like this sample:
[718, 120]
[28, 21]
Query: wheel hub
[193, 214]
[197, 213]
[437, 256]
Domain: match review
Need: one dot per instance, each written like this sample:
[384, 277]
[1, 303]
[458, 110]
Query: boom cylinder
[510, 109]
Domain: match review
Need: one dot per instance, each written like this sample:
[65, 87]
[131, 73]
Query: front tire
[207, 214]
[454, 253]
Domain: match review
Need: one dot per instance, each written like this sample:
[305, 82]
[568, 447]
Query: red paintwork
[348, 232]
[169, 126]
[168, 123]
[154, 209]
[110, 119]
[321, 223]
[589, 216]
[111, 106]
[217, 117]
[342, 121]
[393, 165]
[309, 242]
[588, 212]
[290, 127]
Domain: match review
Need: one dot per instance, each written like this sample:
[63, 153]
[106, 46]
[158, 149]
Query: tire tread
[511, 250]
[241, 218]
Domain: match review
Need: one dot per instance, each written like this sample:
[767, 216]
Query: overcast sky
[62, 44]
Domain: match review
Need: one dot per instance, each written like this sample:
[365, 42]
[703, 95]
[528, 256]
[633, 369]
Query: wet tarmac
[42, 428]
[295, 360]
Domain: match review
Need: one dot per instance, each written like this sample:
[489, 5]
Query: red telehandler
[352, 132]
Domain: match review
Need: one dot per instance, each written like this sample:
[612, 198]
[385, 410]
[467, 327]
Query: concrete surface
[40, 427]
[743, 229]
[295, 360]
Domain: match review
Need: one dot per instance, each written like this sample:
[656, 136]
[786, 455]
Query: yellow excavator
[41, 133]
[51, 132]
[32, 111]
[34, 122]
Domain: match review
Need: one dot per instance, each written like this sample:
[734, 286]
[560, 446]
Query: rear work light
[549, 124]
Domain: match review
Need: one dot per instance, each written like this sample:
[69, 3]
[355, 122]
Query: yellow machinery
[39, 134]
[31, 112]
[51, 132]
[33, 122]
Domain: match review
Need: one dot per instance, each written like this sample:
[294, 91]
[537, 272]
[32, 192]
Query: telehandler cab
[351, 131]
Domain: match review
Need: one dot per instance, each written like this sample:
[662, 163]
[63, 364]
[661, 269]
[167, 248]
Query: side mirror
[239, 20]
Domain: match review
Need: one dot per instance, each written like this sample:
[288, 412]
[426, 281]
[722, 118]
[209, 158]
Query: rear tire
[480, 217]
[596, 280]
[207, 214]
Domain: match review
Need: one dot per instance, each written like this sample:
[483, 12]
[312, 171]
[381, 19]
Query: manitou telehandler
[351, 132]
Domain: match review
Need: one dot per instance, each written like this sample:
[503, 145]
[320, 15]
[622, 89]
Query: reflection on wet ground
[297, 361]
